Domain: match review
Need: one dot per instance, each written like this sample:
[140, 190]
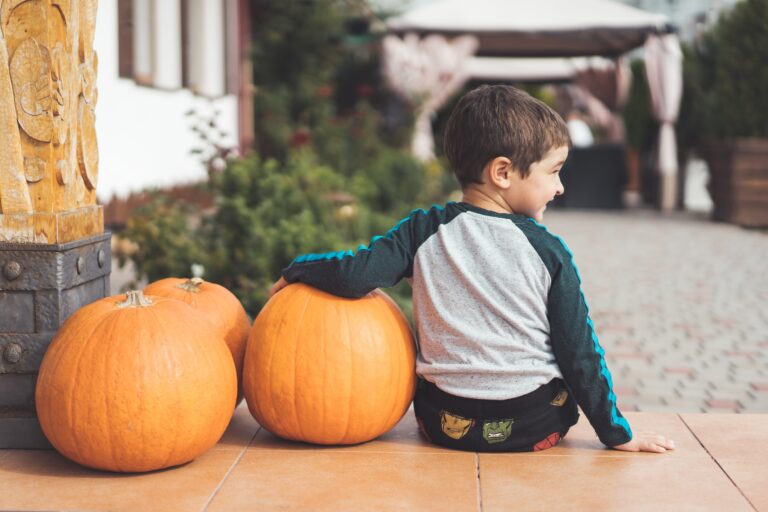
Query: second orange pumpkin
[218, 305]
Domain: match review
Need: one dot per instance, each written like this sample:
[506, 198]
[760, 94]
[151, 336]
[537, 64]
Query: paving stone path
[680, 305]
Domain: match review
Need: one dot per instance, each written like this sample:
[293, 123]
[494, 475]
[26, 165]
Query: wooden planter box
[739, 180]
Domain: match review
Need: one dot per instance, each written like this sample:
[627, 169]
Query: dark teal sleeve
[574, 342]
[384, 262]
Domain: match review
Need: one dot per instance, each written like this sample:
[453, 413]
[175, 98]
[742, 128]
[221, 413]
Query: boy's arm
[385, 261]
[580, 357]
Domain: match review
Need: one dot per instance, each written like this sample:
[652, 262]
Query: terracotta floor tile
[529, 482]
[750, 478]
[240, 431]
[581, 439]
[404, 437]
[44, 480]
[335, 480]
[738, 443]
[725, 436]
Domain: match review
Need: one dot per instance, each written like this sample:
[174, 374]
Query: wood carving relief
[49, 164]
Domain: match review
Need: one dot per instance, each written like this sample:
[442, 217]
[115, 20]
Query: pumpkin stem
[135, 299]
[191, 285]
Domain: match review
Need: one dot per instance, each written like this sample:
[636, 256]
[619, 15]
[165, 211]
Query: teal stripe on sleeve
[615, 418]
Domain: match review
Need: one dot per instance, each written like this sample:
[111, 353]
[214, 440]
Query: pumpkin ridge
[295, 373]
[170, 356]
[106, 401]
[348, 331]
[323, 388]
[295, 412]
[394, 388]
[76, 381]
[277, 419]
[383, 331]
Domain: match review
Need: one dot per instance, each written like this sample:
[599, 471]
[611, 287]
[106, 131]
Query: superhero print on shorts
[455, 426]
[560, 399]
[550, 441]
[497, 431]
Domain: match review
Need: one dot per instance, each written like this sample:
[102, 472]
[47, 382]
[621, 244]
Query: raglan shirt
[497, 304]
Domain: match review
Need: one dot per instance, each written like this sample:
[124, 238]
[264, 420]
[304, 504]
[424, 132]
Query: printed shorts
[532, 422]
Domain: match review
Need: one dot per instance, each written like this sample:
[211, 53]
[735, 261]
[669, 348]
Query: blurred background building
[165, 67]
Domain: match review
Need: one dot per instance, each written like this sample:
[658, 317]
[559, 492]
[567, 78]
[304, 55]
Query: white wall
[144, 138]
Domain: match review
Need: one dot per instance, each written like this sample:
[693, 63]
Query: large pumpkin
[135, 384]
[218, 305]
[329, 370]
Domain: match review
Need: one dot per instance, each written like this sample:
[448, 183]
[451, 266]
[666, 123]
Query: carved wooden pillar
[54, 253]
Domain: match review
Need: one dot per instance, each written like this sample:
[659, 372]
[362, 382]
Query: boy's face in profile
[530, 195]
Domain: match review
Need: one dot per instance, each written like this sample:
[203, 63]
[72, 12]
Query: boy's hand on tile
[279, 285]
[647, 442]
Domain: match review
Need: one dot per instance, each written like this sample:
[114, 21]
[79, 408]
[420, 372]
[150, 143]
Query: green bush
[266, 215]
[165, 239]
[726, 76]
[641, 127]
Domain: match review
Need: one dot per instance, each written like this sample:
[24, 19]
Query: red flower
[324, 91]
[364, 90]
[300, 138]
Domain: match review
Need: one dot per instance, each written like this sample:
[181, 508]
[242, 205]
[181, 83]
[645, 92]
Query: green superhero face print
[497, 431]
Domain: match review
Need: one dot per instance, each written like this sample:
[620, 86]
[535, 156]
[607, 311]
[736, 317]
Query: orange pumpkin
[329, 370]
[218, 305]
[133, 383]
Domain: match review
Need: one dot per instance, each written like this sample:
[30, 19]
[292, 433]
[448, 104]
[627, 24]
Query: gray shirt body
[480, 308]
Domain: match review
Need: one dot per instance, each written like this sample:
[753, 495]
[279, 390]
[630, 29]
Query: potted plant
[726, 79]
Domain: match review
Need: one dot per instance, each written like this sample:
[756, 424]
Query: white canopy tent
[508, 31]
[540, 28]
[521, 69]
[533, 69]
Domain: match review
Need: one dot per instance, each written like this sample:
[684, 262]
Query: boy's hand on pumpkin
[647, 442]
[279, 285]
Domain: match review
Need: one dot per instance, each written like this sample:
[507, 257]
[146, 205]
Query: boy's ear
[500, 171]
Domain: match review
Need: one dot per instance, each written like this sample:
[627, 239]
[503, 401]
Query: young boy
[506, 346]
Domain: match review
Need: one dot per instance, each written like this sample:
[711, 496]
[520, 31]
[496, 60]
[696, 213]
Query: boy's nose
[560, 188]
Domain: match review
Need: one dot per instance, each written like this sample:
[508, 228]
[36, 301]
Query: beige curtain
[426, 73]
[664, 70]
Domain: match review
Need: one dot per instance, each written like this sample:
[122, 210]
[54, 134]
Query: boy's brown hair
[500, 120]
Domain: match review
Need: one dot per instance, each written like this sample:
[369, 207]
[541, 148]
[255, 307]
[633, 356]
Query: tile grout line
[229, 472]
[479, 488]
[718, 463]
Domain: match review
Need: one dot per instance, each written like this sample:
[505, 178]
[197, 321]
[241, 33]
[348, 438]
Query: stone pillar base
[40, 287]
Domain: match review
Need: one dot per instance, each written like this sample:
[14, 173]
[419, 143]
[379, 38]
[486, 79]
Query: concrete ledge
[719, 465]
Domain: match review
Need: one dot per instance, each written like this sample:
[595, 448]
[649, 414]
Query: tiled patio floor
[719, 465]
